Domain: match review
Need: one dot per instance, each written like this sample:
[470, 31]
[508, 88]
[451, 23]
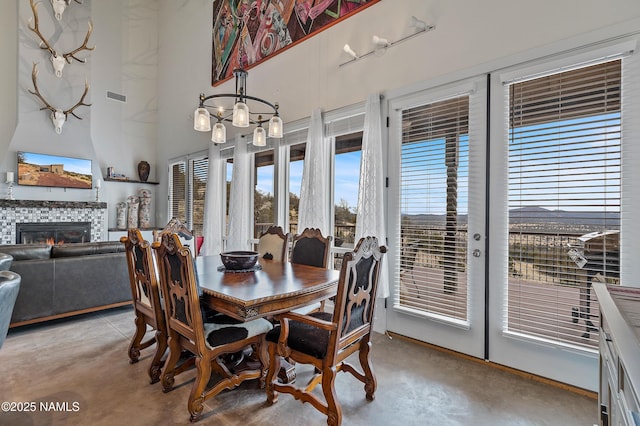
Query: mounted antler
[71, 55]
[58, 116]
[59, 6]
[58, 60]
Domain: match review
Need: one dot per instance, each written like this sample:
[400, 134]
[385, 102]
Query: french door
[495, 244]
[437, 228]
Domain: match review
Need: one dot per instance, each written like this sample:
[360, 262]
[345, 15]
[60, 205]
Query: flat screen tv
[53, 171]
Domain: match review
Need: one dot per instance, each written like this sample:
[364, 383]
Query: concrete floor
[83, 362]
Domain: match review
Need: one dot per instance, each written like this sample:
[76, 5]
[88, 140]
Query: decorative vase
[143, 170]
[144, 214]
[121, 208]
[132, 203]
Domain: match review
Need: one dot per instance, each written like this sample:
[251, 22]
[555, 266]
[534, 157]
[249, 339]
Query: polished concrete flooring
[78, 368]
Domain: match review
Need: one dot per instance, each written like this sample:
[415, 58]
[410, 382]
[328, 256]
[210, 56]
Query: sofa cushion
[83, 249]
[27, 251]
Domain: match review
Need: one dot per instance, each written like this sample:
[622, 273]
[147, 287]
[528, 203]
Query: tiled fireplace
[53, 232]
[67, 221]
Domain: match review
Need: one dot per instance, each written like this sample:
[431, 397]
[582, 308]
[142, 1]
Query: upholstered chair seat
[9, 288]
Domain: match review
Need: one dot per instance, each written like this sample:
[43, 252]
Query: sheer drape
[370, 210]
[213, 215]
[314, 191]
[240, 217]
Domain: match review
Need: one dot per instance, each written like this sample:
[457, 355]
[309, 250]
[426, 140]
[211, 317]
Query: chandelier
[239, 115]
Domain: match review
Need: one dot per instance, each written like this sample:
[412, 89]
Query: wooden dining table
[274, 288]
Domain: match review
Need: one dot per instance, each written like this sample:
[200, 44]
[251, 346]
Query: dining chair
[146, 302]
[208, 342]
[311, 248]
[325, 339]
[9, 288]
[274, 244]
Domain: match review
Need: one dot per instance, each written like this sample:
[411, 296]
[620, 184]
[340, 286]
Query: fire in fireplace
[53, 232]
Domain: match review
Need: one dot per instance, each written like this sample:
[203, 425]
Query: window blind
[178, 190]
[434, 199]
[198, 189]
[563, 200]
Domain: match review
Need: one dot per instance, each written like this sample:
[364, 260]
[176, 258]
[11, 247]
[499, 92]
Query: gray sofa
[68, 279]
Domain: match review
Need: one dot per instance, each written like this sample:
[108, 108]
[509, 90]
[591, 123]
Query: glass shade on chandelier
[201, 120]
[219, 133]
[259, 136]
[275, 127]
[246, 111]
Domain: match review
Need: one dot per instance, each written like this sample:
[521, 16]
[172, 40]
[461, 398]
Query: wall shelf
[108, 179]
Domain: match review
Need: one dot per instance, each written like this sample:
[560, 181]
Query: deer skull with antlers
[58, 116]
[58, 60]
[59, 6]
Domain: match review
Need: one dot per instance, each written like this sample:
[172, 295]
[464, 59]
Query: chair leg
[370, 384]
[156, 363]
[274, 367]
[334, 410]
[196, 397]
[263, 357]
[168, 370]
[135, 346]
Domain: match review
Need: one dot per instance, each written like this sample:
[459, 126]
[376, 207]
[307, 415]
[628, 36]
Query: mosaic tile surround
[12, 212]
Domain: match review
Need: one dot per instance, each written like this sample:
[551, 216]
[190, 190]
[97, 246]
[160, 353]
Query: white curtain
[370, 210]
[213, 214]
[314, 192]
[240, 217]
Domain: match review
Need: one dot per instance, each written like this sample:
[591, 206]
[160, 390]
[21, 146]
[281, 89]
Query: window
[263, 195]
[346, 181]
[564, 181]
[434, 196]
[296, 165]
[187, 188]
[178, 190]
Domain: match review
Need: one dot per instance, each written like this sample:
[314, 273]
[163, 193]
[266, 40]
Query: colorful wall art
[246, 32]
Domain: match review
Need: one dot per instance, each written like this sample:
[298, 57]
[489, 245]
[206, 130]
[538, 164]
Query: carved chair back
[311, 248]
[180, 292]
[274, 244]
[146, 300]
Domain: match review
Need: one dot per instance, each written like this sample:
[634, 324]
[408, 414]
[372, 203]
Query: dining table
[269, 288]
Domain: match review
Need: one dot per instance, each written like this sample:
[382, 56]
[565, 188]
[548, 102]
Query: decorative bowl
[239, 260]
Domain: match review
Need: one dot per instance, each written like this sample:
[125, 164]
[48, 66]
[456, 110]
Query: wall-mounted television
[53, 171]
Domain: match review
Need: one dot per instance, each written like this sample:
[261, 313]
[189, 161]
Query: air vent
[116, 96]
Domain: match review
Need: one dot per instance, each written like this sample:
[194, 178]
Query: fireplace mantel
[53, 204]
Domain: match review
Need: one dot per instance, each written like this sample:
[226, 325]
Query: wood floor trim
[524, 374]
